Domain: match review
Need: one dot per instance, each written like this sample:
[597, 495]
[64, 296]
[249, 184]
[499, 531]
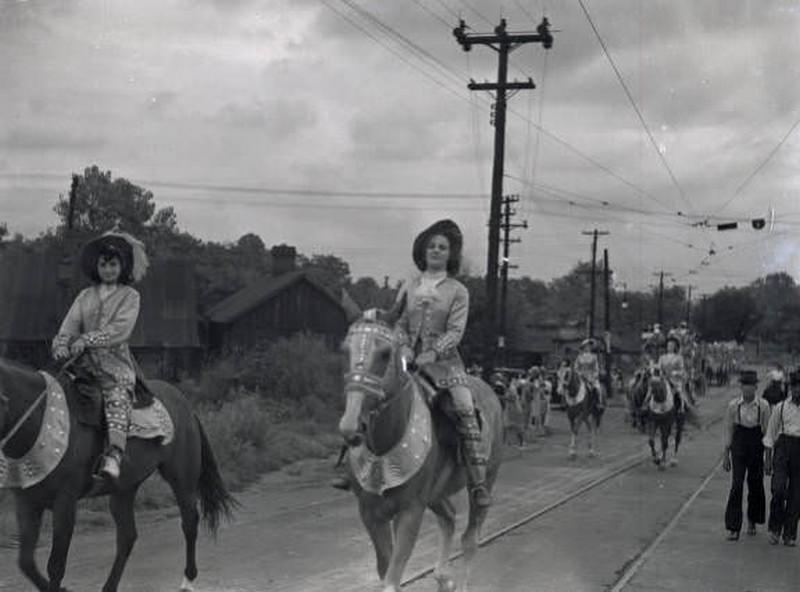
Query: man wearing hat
[746, 420]
[99, 323]
[782, 461]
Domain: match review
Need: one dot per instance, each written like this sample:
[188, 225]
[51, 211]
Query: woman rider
[587, 366]
[100, 322]
[431, 328]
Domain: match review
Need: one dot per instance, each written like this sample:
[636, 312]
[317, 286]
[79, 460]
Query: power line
[634, 105]
[434, 14]
[759, 167]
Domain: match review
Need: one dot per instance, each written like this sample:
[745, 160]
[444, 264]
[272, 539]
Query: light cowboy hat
[131, 253]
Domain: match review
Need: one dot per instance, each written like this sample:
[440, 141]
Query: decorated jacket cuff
[444, 345]
[96, 338]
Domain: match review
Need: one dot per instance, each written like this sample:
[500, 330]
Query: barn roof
[261, 291]
[32, 303]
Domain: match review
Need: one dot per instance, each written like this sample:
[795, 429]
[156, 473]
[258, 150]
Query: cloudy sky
[345, 126]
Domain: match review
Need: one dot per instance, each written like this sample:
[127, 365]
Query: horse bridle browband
[368, 382]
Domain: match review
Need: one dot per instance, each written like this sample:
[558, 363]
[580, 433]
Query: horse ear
[391, 316]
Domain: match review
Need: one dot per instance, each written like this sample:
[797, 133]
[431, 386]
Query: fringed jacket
[105, 324]
[435, 318]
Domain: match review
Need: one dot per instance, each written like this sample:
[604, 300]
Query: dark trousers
[784, 510]
[747, 460]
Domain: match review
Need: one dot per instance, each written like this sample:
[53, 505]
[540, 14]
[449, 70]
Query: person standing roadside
[746, 421]
[782, 461]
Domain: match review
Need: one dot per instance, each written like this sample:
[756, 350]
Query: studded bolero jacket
[435, 319]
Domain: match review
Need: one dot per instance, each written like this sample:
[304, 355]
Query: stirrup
[110, 466]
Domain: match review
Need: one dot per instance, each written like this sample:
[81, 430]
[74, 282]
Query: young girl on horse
[100, 323]
[430, 329]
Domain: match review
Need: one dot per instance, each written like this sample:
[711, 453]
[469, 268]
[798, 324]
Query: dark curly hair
[108, 251]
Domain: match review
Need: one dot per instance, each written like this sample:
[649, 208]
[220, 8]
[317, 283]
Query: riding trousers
[747, 458]
[784, 510]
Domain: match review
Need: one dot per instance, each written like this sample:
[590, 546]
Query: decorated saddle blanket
[377, 473]
[51, 444]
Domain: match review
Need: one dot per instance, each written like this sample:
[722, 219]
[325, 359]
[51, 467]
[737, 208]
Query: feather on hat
[131, 250]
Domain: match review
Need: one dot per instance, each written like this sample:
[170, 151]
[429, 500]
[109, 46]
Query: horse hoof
[592, 454]
[186, 585]
[673, 462]
[572, 455]
[661, 466]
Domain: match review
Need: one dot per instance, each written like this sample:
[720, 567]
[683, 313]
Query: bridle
[360, 378]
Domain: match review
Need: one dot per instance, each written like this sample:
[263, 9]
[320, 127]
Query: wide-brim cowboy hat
[131, 253]
[673, 338]
[446, 228]
[748, 377]
[589, 341]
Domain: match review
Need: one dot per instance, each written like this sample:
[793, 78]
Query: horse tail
[215, 500]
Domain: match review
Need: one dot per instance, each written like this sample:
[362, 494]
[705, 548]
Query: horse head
[658, 386]
[375, 374]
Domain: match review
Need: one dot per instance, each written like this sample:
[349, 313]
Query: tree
[101, 203]
[329, 270]
[730, 314]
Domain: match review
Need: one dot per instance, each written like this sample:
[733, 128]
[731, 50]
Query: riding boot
[475, 461]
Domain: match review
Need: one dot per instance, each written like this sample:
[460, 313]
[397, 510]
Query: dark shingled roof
[249, 297]
[32, 305]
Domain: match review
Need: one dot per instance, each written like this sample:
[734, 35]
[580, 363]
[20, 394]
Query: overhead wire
[633, 103]
[760, 166]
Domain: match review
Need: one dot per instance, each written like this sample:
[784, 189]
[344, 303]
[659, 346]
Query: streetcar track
[625, 466]
[633, 567]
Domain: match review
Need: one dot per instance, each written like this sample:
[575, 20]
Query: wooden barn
[36, 289]
[288, 302]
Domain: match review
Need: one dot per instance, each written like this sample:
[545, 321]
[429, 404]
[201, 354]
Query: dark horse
[662, 414]
[582, 403]
[186, 463]
[637, 390]
[385, 407]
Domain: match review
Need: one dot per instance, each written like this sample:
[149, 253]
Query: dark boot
[475, 462]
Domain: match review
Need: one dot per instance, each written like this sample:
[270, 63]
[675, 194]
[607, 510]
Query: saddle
[86, 397]
[443, 412]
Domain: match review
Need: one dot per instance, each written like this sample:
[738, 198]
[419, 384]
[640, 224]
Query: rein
[16, 427]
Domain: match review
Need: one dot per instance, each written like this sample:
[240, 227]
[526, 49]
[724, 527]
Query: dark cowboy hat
[129, 250]
[748, 377]
[446, 228]
[673, 338]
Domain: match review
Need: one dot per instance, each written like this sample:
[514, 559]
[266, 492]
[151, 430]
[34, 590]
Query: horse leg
[679, 420]
[382, 541]
[592, 433]
[121, 506]
[469, 542]
[573, 428]
[665, 429]
[446, 518]
[64, 510]
[29, 522]
[406, 529]
[651, 439]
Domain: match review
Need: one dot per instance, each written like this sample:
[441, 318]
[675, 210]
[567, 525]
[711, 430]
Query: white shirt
[785, 419]
[746, 415]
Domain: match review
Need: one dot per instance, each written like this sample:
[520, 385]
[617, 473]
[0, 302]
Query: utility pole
[507, 226]
[689, 304]
[594, 234]
[503, 43]
[661, 275]
[607, 316]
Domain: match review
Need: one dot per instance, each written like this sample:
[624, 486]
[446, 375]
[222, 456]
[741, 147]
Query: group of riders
[102, 318]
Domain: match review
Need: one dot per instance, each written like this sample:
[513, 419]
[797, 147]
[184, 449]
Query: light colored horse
[582, 408]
